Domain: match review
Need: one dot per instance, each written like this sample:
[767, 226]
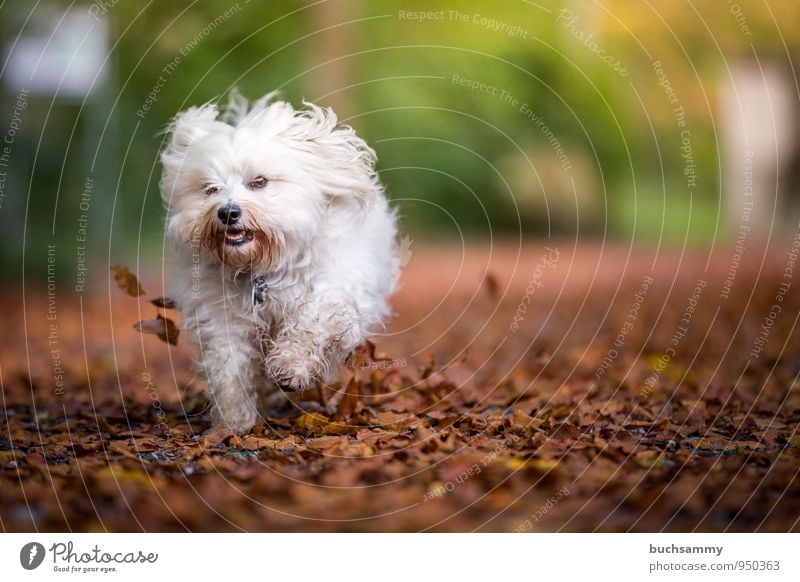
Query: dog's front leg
[231, 362]
[312, 341]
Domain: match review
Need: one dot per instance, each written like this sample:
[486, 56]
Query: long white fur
[332, 244]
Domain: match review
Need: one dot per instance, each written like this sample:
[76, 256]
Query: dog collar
[259, 290]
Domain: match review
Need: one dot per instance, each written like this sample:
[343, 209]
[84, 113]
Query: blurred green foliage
[462, 106]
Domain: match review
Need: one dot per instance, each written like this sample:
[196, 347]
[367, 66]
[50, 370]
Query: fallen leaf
[6, 456]
[311, 420]
[524, 421]
[164, 302]
[394, 421]
[492, 286]
[127, 281]
[348, 402]
[163, 327]
[325, 443]
[537, 464]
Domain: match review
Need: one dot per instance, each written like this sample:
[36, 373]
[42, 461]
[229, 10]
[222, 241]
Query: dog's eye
[257, 183]
[210, 189]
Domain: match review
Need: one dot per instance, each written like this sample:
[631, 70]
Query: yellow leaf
[436, 489]
[121, 474]
[710, 443]
[649, 459]
[525, 421]
[538, 464]
[310, 420]
[338, 428]
[6, 456]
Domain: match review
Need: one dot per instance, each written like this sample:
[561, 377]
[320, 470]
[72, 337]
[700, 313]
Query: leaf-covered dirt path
[517, 389]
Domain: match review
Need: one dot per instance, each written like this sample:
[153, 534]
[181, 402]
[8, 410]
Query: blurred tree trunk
[331, 44]
[760, 133]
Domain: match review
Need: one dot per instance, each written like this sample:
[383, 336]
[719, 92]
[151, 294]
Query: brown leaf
[524, 421]
[492, 286]
[253, 443]
[216, 436]
[6, 456]
[394, 421]
[326, 443]
[163, 327]
[127, 281]
[348, 402]
[310, 421]
[164, 302]
[123, 448]
[712, 443]
[363, 355]
[565, 430]
[19, 436]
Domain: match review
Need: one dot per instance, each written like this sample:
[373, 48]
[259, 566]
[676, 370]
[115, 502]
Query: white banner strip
[399, 557]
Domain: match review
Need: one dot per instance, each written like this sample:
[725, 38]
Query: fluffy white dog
[282, 243]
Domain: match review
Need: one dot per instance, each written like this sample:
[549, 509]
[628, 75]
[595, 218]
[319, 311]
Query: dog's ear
[188, 126]
[184, 130]
[347, 163]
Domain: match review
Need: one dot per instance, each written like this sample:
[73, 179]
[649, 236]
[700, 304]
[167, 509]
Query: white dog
[282, 243]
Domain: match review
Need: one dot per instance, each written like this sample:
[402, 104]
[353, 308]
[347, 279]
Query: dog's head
[251, 185]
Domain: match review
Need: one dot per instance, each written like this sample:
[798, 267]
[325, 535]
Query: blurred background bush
[646, 122]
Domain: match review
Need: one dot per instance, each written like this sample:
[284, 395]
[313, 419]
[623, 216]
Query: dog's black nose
[229, 214]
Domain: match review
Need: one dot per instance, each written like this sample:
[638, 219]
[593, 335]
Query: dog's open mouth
[236, 237]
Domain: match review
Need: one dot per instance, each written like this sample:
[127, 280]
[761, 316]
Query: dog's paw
[295, 381]
[297, 378]
[237, 426]
[294, 370]
[239, 420]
